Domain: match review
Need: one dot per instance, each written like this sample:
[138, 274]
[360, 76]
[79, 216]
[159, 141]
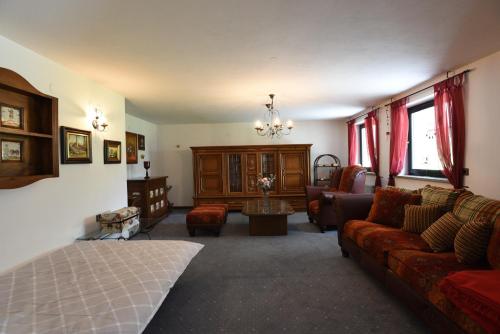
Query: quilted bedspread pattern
[92, 287]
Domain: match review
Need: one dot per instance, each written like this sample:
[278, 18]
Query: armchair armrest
[351, 206]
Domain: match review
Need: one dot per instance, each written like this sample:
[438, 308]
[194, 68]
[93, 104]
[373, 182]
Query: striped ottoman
[207, 216]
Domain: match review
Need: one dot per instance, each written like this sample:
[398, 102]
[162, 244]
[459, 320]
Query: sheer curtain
[398, 138]
[372, 139]
[352, 142]
[450, 127]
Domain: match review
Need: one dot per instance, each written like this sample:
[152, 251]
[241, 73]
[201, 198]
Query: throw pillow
[439, 196]
[469, 206]
[441, 235]
[494, 245]
[388, 206]
[472, 240]
[419, 217]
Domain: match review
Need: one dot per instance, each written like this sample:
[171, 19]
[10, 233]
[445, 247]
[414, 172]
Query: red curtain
[371, 126]
[399, 138]
[352, 142]
[450, 127]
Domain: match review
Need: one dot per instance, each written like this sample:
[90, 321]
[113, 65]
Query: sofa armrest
[351, 206]
[314, 192]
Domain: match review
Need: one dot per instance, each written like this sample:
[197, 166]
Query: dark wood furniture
[37, 133]
[228, 174]
[267, 218]
[151, 196]
[323, 167]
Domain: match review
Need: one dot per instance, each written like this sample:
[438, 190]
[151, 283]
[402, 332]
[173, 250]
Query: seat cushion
[215, 205]
[388, 206]
[377, 240]
[206, 216]
[314, 207]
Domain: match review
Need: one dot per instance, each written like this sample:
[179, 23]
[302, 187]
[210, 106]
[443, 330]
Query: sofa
[433, 284]
[320, 209]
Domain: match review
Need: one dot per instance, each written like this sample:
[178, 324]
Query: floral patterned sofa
[421, 277]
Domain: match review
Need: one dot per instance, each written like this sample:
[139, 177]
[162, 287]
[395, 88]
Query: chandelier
[272, 126]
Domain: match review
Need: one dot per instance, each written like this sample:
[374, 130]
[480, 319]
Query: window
[364, 156]
[423, 158]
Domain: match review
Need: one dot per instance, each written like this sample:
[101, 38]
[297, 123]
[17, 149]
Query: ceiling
[204, 61]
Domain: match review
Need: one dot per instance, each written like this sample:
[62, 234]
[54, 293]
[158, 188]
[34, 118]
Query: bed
[92, 287]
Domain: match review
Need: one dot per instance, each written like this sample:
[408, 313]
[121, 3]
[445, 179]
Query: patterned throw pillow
[471, 241]
[494, 246]
[469, 207]
[439, 196]
[388, 206]
[441, 235]
[419, 217]
[404, 190]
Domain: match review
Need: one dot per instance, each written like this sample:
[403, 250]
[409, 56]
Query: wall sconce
[98, 122]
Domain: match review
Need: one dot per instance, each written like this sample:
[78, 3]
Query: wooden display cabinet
[228, 174]
[152, 195]
[28, 132]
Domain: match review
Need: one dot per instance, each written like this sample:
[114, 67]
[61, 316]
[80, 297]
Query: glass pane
[268, 166]
[424, 153]
[235, 177]
[365, 157]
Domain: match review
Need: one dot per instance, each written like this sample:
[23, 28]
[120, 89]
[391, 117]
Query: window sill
[370, 173]
[423, 178]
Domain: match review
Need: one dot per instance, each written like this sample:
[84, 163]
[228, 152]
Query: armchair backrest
[335, 178]
[353, 180]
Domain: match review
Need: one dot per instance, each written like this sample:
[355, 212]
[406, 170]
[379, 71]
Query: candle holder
[147, 165]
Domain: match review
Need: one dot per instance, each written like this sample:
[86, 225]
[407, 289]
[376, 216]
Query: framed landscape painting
[12, 150]
[76, 146]
[112, 152]
[11, 116]
[131, 146]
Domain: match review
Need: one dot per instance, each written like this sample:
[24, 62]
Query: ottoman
[211, 217]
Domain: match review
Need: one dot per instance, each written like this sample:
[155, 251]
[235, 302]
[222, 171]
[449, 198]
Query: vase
[265, 199]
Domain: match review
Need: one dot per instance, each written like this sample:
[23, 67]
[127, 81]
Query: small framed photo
[112, 152]
[12, 150]
[141, 142]
[156, 192]
[157, 205]
[152, 208]
[151, 194]
[162, 203]
[76, 146]
[161, 191]
[11, 116]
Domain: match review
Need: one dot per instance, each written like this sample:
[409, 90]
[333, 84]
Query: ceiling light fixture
[272, 126]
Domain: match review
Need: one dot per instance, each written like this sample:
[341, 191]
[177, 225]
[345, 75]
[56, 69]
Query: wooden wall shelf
[37, 132]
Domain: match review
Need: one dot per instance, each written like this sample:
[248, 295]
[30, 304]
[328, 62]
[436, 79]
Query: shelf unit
[37, 132]
[323, 167]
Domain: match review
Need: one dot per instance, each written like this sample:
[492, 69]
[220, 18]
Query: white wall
[149, 130]
[482, 112]
[326, 137]
[53, 212]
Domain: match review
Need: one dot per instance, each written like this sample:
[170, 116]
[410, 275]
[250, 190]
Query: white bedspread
[92, 287]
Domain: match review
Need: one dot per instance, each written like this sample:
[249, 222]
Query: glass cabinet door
[235, 173]
[268, 166]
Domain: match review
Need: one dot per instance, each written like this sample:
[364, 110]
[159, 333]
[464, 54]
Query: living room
[187, 75]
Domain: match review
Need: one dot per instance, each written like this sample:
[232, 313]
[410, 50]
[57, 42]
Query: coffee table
[267, 218]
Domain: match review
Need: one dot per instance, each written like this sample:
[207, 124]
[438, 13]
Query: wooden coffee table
[267, 218]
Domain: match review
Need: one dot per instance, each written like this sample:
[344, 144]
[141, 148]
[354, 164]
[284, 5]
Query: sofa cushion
[471, 241]
[419, 217]
[494, 246]
[439, 196]
[469, 206]
[441, 235]
[314, 207]
[388, 206]
[358, 230]
[476, 293]
[206, 216]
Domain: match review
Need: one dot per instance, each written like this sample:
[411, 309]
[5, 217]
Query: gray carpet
[297, 284]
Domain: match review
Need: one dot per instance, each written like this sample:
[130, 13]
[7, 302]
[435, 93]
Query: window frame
[410, 170]
[360, 154]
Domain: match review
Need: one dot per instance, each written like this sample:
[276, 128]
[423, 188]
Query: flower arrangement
[265, 182]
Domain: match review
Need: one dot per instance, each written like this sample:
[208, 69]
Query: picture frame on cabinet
[76, 146]
[112, 152]
[11, 116]
[12, 150]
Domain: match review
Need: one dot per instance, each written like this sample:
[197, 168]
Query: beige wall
[326, 137]
[482, 111]
[53, 212]
[149, 130]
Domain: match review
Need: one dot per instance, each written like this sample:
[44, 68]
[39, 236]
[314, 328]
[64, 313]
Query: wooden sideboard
[151, 195]
[228, 174]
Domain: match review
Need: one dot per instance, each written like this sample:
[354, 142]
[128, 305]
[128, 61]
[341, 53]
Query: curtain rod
[414, 93]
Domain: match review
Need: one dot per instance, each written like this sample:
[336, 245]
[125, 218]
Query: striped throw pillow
[469, 207]
[472, 240]
[418, 218]
[439, 196]
[441, 235]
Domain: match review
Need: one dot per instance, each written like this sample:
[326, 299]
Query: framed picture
[112, 152]
[12, 150]
[131, 145]
[11, 116]
[76, 146]
[141, 142]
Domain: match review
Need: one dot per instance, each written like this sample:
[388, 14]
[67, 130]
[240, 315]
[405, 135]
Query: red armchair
[320, 208]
